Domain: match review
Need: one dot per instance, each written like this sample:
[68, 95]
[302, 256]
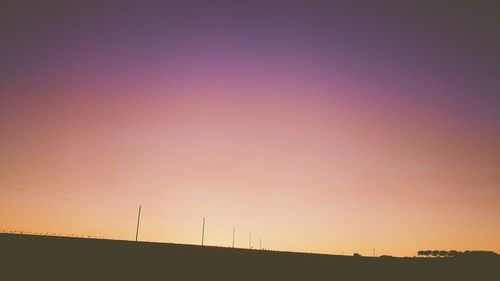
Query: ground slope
[27, 257]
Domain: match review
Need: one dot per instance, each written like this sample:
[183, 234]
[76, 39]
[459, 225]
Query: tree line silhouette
[454, 253]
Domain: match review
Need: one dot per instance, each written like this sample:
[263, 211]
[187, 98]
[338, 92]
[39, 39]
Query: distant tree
[435, 253]
[443, 253]
[356, 255]
[421, 253]
[427, 253]
[479, 254]
[453, 253]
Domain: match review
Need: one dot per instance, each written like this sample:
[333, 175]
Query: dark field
[27, 257]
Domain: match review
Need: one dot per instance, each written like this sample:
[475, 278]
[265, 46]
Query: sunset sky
[322, 126]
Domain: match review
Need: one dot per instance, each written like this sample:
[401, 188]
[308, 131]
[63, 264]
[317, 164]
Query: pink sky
[308, 173]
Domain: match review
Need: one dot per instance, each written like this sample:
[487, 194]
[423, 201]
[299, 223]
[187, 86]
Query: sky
[320, 126]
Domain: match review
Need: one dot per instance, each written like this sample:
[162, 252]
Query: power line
[33, 184]
[59, 196]
[50, 191]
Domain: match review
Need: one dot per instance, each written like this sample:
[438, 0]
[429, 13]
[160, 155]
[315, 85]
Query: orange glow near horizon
[308, 175]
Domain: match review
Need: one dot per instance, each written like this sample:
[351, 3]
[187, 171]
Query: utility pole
[138, 220]
[203, 232]
[233, 236]
[250, 241]
[374, 252]
[260, 242]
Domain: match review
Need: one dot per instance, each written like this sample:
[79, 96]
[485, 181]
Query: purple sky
[385, 102]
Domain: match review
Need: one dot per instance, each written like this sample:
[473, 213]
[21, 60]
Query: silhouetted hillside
[27, 257]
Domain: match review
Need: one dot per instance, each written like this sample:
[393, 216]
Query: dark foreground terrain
[27, 257]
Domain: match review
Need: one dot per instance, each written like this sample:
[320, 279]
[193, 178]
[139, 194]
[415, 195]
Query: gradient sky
[324, 126]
